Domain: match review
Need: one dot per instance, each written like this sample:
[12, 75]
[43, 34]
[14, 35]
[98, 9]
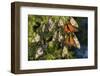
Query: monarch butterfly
[39, 52]
[64, 51]
[73, 22]
[51, 24]
[61, 23]
[66, 29]
[54, 36]
[76, 41]
[60, 37]
[72, 40]
[36, 38]
[71, 26]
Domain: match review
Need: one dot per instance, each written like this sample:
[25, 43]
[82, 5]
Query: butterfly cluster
[52, 37]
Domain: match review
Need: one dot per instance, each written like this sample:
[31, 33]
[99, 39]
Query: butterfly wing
[67, 41]
[39, 52]
[61, 23]
[64, 51]
[73, 22]
[66, 29]
[71, 40]
[72, 28]
[77, 43]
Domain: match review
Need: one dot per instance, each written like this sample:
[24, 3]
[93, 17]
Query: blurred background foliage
[43, 38]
